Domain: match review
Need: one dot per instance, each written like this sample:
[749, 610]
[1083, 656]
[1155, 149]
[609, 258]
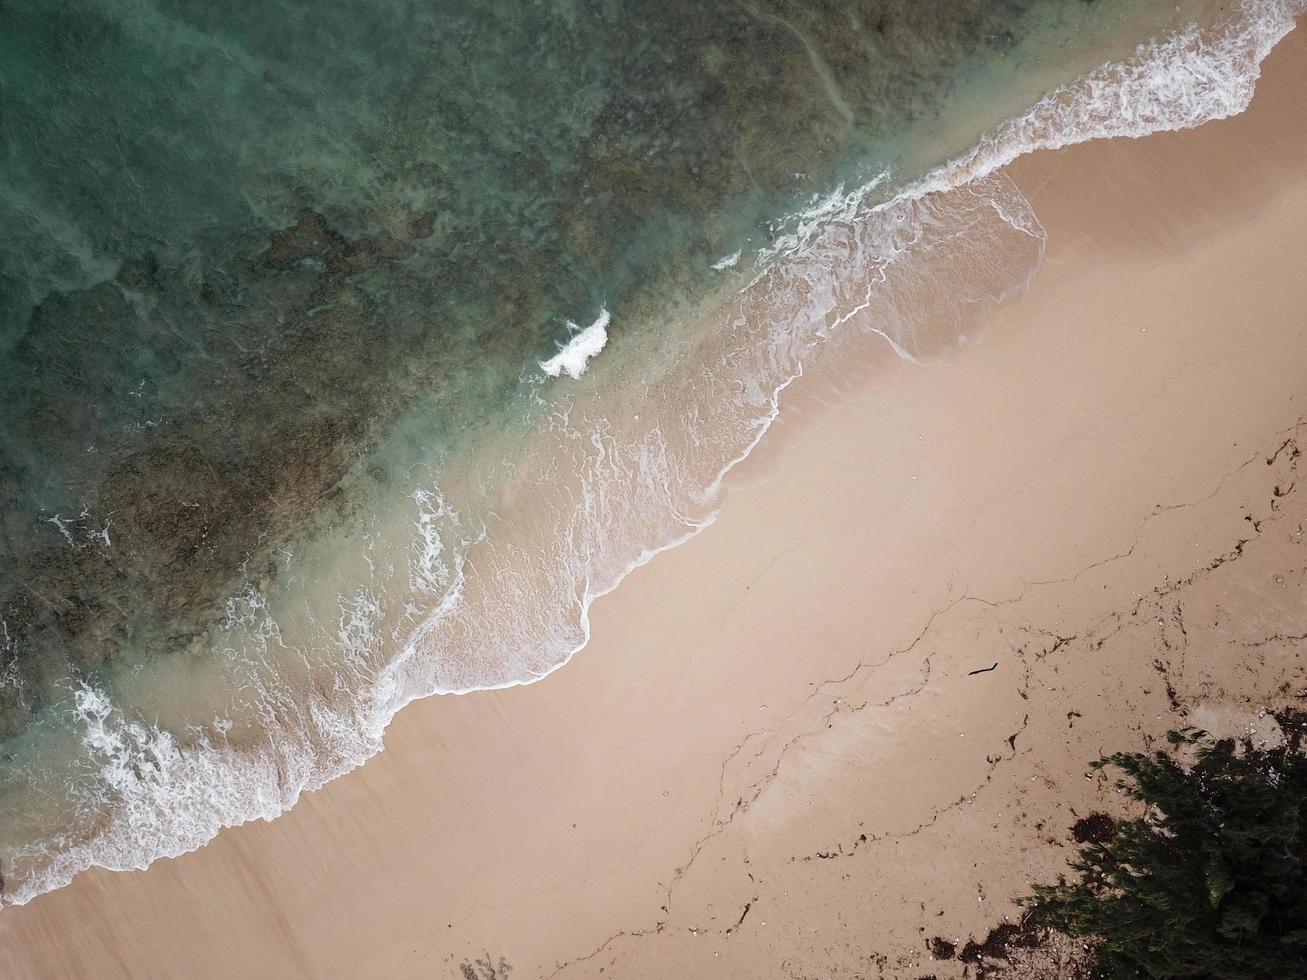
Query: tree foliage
[1211, 882]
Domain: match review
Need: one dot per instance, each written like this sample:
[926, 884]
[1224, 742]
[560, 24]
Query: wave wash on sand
[462, 597]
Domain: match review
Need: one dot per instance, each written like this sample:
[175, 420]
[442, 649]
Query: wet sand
[775, 757]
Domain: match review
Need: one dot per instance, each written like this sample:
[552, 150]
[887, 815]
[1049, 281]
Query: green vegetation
[1210, 882]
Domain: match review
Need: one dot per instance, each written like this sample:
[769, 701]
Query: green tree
[1211, 882]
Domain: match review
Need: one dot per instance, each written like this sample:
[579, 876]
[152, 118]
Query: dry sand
[773, 759]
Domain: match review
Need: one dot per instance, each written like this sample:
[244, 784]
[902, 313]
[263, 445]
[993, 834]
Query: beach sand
[775, 758]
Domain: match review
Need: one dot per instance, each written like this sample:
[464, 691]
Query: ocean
[353, 350]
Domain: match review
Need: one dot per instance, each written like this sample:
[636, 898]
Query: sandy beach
[857, 712]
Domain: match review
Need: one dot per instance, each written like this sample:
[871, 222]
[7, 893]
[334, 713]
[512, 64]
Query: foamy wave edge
[1174, 84]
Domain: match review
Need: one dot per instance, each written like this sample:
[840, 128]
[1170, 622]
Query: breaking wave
[576, 353]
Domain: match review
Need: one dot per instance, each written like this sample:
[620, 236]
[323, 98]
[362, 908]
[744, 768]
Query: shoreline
[385, 826]
[645, 510]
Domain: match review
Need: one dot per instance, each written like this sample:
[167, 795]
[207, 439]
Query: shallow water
[278, 449]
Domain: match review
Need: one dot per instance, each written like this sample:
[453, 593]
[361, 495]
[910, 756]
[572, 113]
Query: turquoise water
[275, 287]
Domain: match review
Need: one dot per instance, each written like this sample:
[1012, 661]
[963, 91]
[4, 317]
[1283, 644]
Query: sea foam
[576, 353]
[1185, 80]
[728, 261]
[167, 802]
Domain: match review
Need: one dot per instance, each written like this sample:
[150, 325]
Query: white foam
[728, 261]
[122, 748]
[1183, 81]
[83, 523]
[576, 353]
